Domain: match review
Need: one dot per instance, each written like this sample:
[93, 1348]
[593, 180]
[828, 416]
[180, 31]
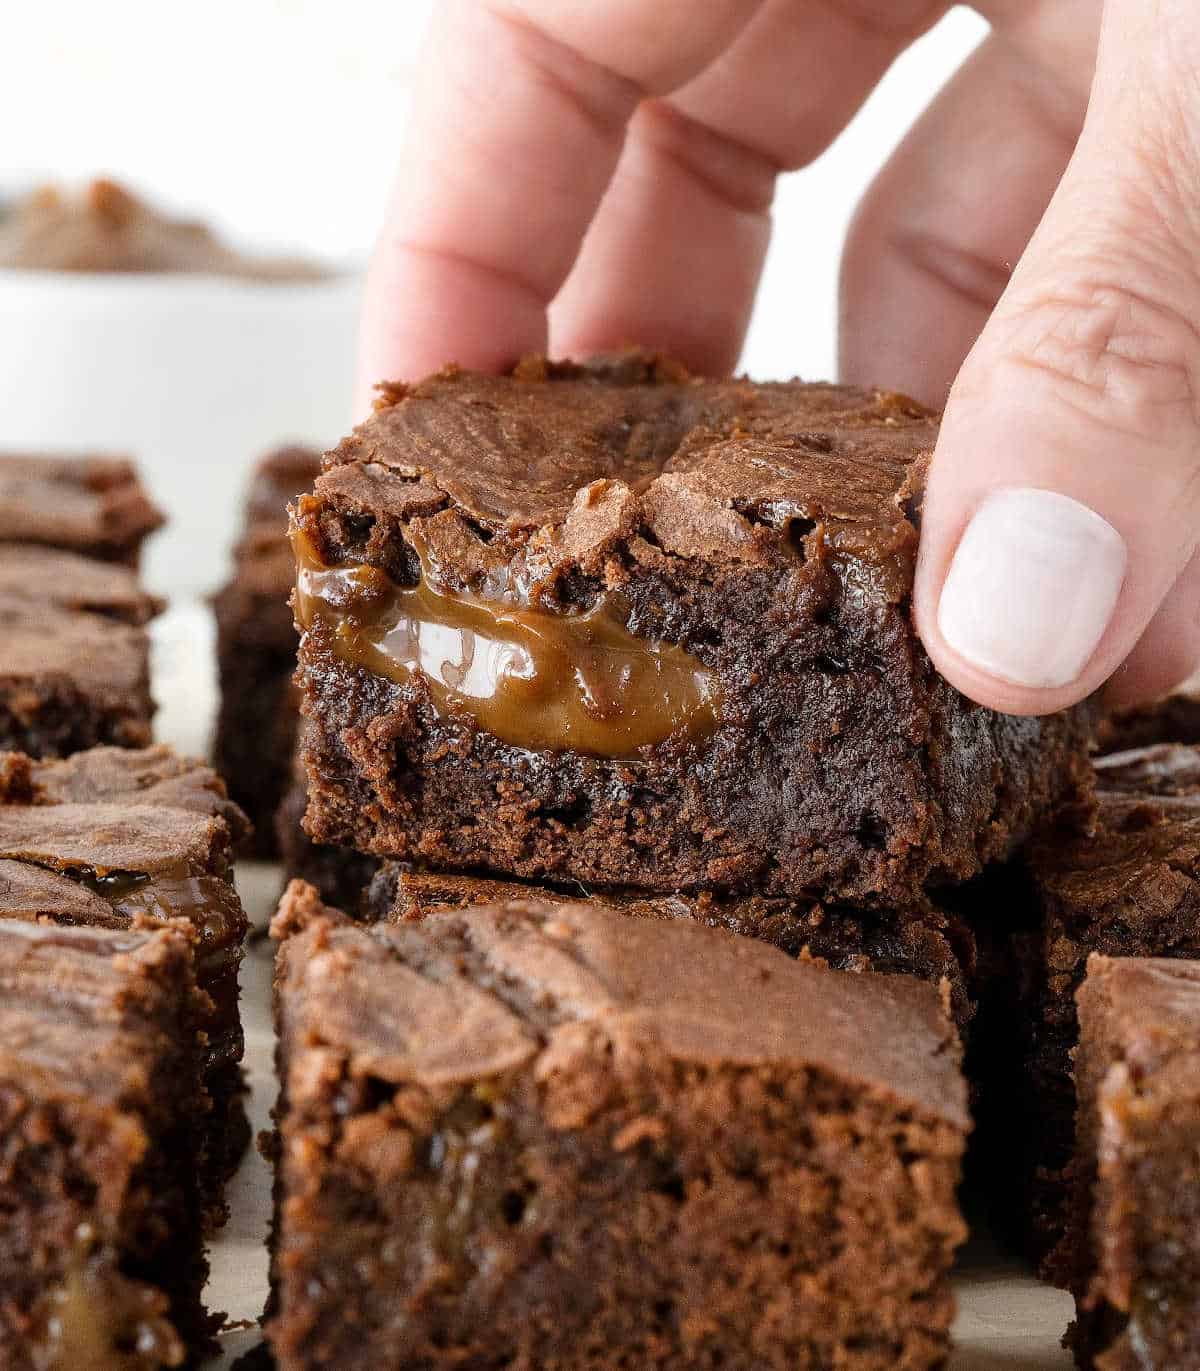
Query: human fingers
[675, 252]
[517, 122]
[1063, 501]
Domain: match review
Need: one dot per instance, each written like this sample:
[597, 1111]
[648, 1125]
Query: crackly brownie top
[1139, 865]
[1149, 1005]
[112, 836]
[145, 811]
[148, 776]
[474, 993]
[1161, 770]
[73, 502]
[632, 444]
[79, 1008]
[54, 576]
[42, 641]
[845, 938]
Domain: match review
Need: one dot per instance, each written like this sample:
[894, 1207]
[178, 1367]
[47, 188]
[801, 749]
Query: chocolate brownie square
[256, 647]
[1130, 888]
[50, 576]
[70, 680]
[92, 505]
[75, 670]
[107, 838]
[929, 944]
[101, 1255]
[615, 625]
[549, 1135]
[1137, 1181]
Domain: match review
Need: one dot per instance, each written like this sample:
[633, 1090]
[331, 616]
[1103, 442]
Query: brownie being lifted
[256, 647]
[615, 625]
[109, 836]
[1137, 1279]
[548, 1135]
[101, 1107]
[93, 505]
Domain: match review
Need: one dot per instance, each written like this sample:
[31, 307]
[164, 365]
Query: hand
[578, 175]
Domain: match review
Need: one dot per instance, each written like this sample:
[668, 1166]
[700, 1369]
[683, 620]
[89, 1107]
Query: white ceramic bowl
[193, 376]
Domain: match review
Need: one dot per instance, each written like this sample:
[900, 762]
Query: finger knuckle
[887, 20]
[1123, 357]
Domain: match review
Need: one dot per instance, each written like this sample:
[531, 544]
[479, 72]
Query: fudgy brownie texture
[927, 944]
[1137, 1181]
[69, 679]
[256, 647]
[1130, 888]
[339, 873]
[611, 624]
[101, 1255]
[96, 506]
[549, 1135]
[107, 838]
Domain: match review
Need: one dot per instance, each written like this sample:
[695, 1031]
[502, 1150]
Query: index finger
[517, 123]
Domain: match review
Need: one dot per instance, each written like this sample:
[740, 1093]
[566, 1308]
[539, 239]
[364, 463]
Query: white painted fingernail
[1032, 587]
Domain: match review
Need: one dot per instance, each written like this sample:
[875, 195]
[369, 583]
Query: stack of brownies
[657, 882]
[609, 677]
[121, 1110]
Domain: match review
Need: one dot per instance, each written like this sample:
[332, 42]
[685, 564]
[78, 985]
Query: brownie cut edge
[255, 735]
[1137, 1168]
[101, 1107]
[111, 837]
[1129, 888]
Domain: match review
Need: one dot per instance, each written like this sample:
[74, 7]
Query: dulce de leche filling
[577, 681]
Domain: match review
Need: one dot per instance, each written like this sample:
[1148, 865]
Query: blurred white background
[278, 119]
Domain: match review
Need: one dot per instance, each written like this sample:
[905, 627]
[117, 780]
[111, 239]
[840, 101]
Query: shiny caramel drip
[95, 1319]
[535, 679]
[207, 902]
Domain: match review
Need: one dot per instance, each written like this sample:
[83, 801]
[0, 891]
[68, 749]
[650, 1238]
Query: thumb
[1063, 502]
